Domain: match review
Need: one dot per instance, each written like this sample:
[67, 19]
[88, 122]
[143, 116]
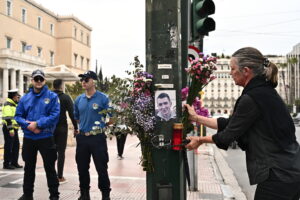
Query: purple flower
[184, 93]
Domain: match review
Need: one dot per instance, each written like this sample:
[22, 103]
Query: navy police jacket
[43, 107]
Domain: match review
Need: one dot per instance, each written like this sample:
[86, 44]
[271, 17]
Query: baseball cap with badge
[88, 74]
[38, 72]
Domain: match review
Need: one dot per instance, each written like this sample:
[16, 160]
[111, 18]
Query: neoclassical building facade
[221, 94]
[293, 74]
[33, 37]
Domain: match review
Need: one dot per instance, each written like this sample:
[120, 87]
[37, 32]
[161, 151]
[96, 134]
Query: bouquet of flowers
[143, 118]
[133, 100]
[200, 73]
[199, 109]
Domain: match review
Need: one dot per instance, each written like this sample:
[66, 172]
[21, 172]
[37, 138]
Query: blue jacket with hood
[43, 107]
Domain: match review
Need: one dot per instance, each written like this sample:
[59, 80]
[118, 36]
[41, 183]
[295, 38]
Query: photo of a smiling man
[165, 105]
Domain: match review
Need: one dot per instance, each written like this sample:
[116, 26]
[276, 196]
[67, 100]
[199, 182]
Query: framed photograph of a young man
[165, 105]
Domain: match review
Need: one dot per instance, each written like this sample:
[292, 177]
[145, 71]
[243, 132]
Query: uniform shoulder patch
[46, 100]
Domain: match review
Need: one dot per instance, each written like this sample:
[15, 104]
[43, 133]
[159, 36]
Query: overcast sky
[272, 26]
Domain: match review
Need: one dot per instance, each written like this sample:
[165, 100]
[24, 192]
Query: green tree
[74, 90]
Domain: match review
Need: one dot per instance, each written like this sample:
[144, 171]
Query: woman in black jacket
[262, 126]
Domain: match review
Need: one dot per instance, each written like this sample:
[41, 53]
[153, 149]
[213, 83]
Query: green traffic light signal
[201, 23]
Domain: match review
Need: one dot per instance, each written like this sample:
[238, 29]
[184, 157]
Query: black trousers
[95, 146]
[47, 149]
[121, 139]
[60, 138]
[11, 147]
[274, 189]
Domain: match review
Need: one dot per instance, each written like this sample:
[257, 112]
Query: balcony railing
[21, 56]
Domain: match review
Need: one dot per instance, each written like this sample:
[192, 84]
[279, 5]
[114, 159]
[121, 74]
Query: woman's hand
[194, 143]
[192, 113]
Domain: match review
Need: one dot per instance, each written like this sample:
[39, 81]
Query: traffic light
[201, 23]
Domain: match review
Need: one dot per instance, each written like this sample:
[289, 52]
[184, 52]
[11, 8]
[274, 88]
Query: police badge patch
[47, 100]
[95, 106]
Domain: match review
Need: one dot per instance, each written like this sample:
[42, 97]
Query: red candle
[177, 136]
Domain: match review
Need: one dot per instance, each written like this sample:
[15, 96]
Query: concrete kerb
[231, 189]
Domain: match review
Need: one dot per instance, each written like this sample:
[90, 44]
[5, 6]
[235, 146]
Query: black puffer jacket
[66, 104]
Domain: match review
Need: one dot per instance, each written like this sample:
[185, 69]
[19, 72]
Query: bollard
[193, 165]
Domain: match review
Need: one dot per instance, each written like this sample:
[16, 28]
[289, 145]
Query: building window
[39, 51]
[39, 25]
[8, 42]
[23, 46]
[87, 63]
[75, 60]
[75, 32]
[81, 36]
[88, 40]
[8, 8]
[81, 63]
[23, 15]
[52, 29]
[51, 58]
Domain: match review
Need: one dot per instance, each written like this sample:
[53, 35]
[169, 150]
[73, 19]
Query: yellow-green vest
[8, 113]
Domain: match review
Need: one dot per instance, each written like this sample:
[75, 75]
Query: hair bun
[266, 62]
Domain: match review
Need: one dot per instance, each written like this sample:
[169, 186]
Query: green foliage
[292, 60]
[74, 90]
[297, 102]
[119, 91]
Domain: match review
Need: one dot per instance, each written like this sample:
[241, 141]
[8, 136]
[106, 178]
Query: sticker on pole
[193, 53]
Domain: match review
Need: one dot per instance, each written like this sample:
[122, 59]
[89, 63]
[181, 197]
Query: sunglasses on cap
[38, 79]
[85, 79]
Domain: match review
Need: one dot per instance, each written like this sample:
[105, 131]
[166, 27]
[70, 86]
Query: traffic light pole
[166, 56]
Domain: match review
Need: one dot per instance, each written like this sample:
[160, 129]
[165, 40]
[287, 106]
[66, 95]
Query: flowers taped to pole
[133, 99]
[200, 73]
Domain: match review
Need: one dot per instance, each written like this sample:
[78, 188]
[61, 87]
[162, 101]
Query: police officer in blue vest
[91, 140]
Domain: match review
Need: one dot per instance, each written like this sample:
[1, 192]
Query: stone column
[21, 83]
[5, 83]
[13, 79]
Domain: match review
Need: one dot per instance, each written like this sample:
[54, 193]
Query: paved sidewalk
[128, 182]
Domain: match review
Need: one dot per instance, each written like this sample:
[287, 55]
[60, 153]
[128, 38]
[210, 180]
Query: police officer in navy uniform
[10, 130]
[91, 140]
[38, 113]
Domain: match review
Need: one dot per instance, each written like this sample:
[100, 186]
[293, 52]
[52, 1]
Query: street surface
[128, 181]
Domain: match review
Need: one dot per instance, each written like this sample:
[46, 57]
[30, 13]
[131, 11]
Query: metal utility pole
[166, 57]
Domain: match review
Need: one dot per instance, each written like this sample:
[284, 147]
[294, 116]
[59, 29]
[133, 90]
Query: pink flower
[212, 78]
[147, 93]
[184, 93]
[123, 105]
